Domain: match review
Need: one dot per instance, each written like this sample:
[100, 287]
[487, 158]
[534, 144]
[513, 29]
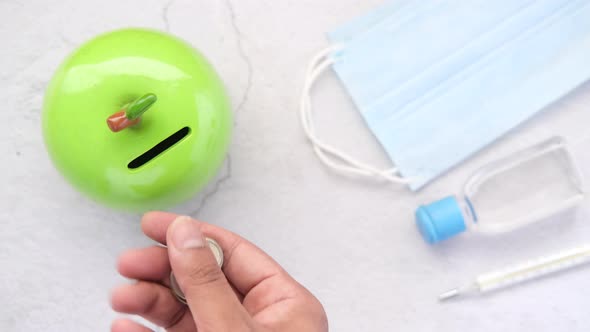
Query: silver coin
[217, 252]
[176, 289]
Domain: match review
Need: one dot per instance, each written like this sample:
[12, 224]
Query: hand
[252, 293]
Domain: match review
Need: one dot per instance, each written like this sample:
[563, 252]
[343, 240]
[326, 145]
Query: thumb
[210, 298]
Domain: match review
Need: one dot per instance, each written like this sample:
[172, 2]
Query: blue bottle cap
[440, 220]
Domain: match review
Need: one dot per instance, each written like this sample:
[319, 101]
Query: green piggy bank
[124, 151]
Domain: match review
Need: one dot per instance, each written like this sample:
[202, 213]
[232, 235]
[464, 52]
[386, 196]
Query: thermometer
[523, 272]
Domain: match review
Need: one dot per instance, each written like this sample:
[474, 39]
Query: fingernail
[186, 234]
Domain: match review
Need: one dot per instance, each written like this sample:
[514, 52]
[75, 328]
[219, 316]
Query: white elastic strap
[330, 156]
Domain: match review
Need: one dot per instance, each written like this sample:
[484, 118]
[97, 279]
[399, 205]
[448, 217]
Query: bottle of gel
[523, 188]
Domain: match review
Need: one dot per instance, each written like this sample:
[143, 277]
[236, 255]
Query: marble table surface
[354, 244]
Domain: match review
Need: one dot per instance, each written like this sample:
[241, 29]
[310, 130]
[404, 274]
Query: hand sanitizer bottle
[523, 188]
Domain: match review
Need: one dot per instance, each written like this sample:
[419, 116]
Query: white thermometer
[520, 273]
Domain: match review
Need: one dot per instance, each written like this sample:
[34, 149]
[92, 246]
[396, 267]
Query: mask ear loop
[328, 155]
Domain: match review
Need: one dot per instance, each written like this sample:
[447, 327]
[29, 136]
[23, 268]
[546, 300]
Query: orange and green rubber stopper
[131, 113]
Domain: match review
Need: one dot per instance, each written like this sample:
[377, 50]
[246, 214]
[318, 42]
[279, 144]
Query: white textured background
[353, 244]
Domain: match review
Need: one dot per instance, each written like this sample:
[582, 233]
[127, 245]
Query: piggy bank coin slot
[159, 148]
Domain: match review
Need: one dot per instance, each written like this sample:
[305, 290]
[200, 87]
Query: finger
[210, 297]
[127, 325]
[245, 265]
[149, 264]
[155, 224]
[151, 301]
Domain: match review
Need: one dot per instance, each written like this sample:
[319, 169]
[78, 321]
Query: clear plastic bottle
[523, 188]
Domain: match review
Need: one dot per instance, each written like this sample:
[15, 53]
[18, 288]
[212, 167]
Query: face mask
[437, 81]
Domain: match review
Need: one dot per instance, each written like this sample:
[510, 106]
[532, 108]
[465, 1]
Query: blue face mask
[436, 81]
